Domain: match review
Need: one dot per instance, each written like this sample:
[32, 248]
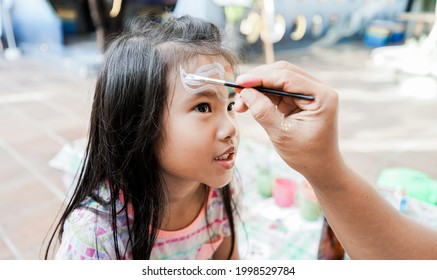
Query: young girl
[157, 180]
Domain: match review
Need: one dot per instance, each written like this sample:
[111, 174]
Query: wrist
[328, 169]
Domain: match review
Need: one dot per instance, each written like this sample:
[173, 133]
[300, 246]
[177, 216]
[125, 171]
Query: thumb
[261, 108]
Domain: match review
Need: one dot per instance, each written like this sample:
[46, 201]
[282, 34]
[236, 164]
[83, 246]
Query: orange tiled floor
[41, 109]
[43, 106]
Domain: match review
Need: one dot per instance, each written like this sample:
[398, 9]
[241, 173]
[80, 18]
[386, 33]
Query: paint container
[284, 192]
[308, 204]
[265, 183]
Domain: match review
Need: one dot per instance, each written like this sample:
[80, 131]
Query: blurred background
[380, 55]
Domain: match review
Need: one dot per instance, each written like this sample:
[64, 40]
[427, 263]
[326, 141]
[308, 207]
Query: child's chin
[220, 181]
[220, 185]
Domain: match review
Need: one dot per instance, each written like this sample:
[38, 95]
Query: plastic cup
[308, 204]
[284, 191]
[265, 183]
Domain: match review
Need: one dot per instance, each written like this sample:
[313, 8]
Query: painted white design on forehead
[205, 70]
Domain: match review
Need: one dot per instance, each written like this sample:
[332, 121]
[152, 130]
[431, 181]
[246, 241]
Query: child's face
[201, 134]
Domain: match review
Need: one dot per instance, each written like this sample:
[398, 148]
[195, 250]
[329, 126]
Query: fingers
[282, 79]
[286, 65]
[280, 75]
[287, 106]
[299, 129]
[285, 76]
[261, 108]
[240, 106]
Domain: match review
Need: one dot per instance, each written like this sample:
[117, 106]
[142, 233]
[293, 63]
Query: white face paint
[205, 70]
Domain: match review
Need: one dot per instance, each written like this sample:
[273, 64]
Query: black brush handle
[274, 91]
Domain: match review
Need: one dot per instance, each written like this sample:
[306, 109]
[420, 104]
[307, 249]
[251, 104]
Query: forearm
[365, 223]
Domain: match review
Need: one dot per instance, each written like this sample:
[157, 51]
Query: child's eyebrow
[207, 93]
[211, 94]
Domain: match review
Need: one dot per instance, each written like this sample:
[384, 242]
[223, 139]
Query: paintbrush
[197, 78]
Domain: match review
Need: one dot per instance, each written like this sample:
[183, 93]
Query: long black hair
[126, 124]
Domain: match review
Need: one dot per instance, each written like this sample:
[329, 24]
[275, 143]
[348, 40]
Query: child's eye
[203, 108]
[231, 106]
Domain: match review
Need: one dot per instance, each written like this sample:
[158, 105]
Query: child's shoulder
[89, 229]
[94, 209]
[90, 209]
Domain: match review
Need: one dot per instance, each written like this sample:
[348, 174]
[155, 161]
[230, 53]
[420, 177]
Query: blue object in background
[36, 23]
[381, 33]
[69, 26]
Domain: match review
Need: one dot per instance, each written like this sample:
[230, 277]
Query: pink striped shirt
[88, 235]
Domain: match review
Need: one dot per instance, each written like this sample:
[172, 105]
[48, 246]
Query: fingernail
[244, 79]
[238, 103]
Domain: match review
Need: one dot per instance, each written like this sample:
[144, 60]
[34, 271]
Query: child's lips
[226, 154]
[227, 159]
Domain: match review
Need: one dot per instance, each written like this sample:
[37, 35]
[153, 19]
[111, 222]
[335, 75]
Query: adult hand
[305, 135]
[303, 132]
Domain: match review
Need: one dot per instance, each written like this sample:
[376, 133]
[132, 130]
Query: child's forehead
[207, 67]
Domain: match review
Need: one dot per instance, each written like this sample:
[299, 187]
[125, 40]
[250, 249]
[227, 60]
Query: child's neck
[184, 205]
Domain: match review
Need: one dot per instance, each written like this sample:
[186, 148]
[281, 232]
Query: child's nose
[228, 127]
